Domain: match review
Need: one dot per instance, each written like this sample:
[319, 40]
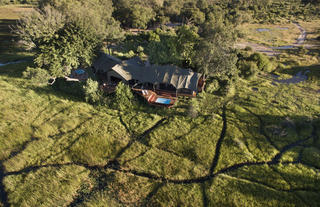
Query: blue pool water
[79, 71]
[163, 101]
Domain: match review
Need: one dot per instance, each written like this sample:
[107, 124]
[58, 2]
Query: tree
[141, 16]
[66, 34]
[215, 59]
[192, 14]
[124, 97]
[214, 53]
[91, 91]
[136, 13]
[187, 38]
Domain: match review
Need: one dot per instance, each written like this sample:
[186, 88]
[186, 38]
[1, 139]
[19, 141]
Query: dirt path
[258, 48]
[302, 37]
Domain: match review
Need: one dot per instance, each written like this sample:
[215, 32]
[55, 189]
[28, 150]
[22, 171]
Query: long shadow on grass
[101, 178]
[22, 148]
[3, 193]
[112, 165]
[140, 137]
[204, 195]
[219, 143]
[261, 128]
[259, 189]
[152, 193]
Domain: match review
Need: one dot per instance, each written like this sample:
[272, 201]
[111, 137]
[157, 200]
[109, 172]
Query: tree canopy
[67, 34]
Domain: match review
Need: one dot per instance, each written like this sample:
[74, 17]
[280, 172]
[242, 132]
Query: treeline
[144, 13]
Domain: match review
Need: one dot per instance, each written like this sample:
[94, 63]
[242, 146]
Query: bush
[262, 61]
[212, 86]
[91, 91]
[124, 97]
[37, 75]
[194, 108]
[248, 69]
[248, 48]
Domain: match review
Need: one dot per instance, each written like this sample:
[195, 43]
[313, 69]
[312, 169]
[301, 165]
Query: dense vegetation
[248, 140]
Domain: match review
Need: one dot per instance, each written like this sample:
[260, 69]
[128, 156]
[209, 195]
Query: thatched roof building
[135, 70]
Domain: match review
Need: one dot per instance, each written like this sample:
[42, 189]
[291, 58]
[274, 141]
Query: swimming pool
[79, 71]
[163, 101]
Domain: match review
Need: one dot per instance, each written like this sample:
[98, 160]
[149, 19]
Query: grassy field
[261, 147]
[270, 34]
[9, 50]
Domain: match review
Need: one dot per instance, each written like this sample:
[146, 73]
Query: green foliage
[70, 47]
[262, 61]
[216, 59]
[212, 86]
[163, 48]
[194, 108]
[248, 69]
[133, 13]
[166, 47]
[124, 97]
[37, 75]
[57, 150]
[64, 37]
[192, 13]
[214, 53]
[187, 38]
[141, 16]
[92, 92]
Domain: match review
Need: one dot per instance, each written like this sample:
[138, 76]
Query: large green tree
[214, 53]
[65, 34]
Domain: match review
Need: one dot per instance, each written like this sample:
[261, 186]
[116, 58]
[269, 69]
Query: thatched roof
[134, 69]
[179, 78]
[105, 62]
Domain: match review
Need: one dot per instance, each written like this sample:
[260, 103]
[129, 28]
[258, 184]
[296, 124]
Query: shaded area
[3, 192]
[219, 143]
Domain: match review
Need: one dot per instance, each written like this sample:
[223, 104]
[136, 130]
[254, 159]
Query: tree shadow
[265, 191]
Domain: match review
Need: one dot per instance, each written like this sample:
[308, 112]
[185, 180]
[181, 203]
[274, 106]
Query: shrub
[140, 49]
[262, 61]
[212, 86]
[37, 75]
[124, 97]
[91, 91]
[194, 108]
[248, 69]
[248, 48]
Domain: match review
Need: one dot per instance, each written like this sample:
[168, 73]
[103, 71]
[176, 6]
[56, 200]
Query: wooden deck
[153, 98]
